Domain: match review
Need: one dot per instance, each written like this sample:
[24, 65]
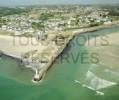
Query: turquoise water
[59, 83]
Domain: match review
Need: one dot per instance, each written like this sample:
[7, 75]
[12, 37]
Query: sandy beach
[17, 46]
[112, 39]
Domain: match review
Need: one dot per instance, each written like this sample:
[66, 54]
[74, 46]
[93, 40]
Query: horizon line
[57, 4]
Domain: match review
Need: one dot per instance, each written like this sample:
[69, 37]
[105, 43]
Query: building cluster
[63, 19]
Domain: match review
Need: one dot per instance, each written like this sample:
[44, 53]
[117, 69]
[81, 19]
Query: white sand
[17, 46]
[113, 39]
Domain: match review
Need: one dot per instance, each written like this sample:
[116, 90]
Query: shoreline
[39, 75]
[75, 33]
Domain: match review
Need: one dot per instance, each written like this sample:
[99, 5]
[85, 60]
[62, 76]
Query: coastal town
[52, 19]
[52, 28]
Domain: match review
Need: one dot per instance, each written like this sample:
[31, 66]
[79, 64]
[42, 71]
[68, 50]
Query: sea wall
[39, 76]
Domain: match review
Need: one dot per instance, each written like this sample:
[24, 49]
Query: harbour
[57, 84]
[39, 74]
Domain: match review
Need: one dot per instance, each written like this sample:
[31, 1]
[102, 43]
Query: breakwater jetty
[40, 57]
[43, 71]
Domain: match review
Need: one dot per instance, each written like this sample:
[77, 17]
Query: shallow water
[64, 81]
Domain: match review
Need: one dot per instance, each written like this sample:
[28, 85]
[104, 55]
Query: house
[4, 27]
[108, 22]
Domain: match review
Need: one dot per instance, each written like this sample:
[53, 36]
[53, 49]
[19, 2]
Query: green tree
[45, 16]
[37, 26]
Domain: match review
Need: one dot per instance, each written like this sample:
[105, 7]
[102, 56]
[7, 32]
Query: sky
[43, 2]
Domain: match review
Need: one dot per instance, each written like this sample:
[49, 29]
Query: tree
[45, 16]
[37, 26]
